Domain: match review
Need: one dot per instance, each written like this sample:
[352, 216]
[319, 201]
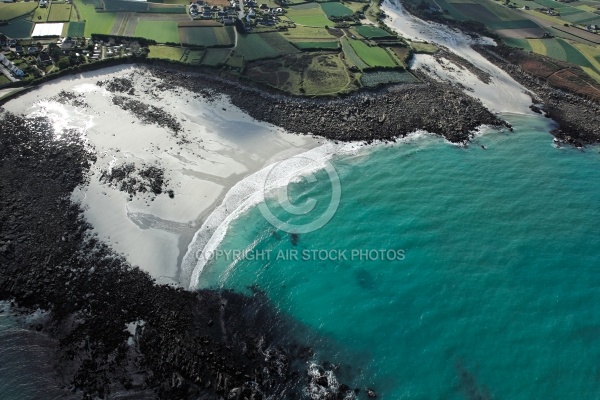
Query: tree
[64, 62]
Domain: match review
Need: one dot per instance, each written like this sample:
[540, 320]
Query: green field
[76, 29]
[307, 34]
[257, 46]
[14, 10]
[376, 78]
[59, 12]
[167, 9]
[214, 57]
[351, 55]
[519, 43]
[94, 22]
[372, 32]
[18, 28]
[166, 52]
[161, 31]
[335, 9]
[207, 36]
[373, 56]
[309, 14]
[422, 47]
[317, 45]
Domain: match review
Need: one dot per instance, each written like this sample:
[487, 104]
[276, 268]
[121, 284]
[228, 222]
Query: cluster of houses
[227, 15]
[11, 67]
[262, 14]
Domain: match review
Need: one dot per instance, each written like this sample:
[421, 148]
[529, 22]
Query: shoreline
[115, 329]
[171, 160]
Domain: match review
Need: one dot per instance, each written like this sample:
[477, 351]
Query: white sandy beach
[225, 145]
[502, 94]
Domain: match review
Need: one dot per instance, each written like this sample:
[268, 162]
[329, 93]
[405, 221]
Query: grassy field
[317, 45]
[335, 9]
[402, 53]
[214, 57]
[306, 33]
[372, 32]
[161, 31]
[94, 22]
[376, 78]
[18, 28]
[351, 55]
[310, 14]
[520, 43]
[422, 47]
[373, 56]
[15, 10]
[562, 50]
[257, 46]
[40, 14]
[76, 29]
[326, 74]
[59, 12]
[305, 73]
[167, 9]
[207, 36]
[166, 52]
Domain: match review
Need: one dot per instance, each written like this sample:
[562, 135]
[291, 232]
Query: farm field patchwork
[351, 55]
[317, 45]
[306, 33]
[335, 9]
[214, 57]
[166, 52]
[76, 29]
[257, 46]
[14, 10]
[101, 23]
[207, 36]
[59, 12]
[161, 31]
[304, 73]
[18, 28]
[373, 56]
[310, 14]
[372, 32]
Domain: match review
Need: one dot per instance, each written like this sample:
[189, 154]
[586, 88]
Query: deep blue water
[498, 293]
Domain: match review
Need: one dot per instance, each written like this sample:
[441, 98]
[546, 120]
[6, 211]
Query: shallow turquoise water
[499, 291]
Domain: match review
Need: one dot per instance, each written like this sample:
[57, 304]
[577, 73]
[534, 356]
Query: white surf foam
[247, 193]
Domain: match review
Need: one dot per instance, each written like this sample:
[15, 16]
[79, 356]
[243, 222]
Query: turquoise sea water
[498, 294]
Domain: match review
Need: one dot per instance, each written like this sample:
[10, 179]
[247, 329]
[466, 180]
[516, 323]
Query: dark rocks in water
[294, 238]
[535, 109]
[371, 393]
[322, 381]
[171, 193]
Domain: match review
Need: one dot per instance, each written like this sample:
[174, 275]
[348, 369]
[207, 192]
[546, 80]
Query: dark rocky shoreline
[202, 345]
[385, 114]
[578, 117]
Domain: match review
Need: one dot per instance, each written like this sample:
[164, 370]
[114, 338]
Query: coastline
[117, 332]
[214, 146]
[203, 347]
